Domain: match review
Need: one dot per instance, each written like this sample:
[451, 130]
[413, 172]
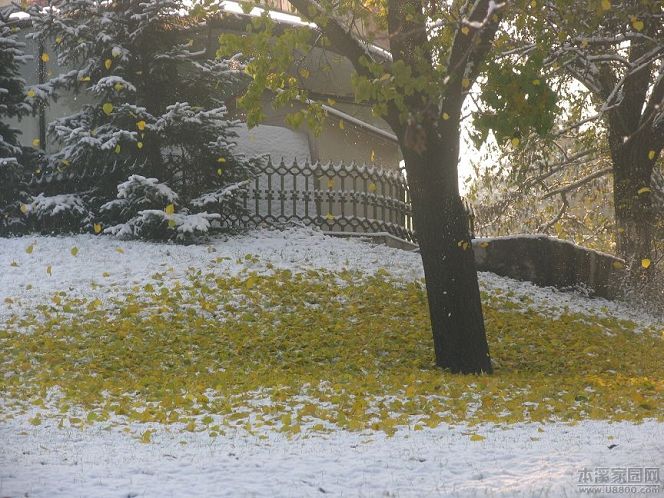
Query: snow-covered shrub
[145, 209]
[153, 224]
[137, 194]
[226, 201]
[57, 213]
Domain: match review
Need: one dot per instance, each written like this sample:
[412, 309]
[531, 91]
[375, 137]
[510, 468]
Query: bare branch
[578, 183]
[545, 227]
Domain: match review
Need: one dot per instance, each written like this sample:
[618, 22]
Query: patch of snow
[524, 460]
[99, 270]
[49, 207]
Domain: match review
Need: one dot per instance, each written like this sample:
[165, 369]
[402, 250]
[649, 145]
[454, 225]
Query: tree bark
[634, 214]
[441, 226]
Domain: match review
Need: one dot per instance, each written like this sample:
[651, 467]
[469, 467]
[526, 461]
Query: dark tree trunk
[634, 214]
[441, 225]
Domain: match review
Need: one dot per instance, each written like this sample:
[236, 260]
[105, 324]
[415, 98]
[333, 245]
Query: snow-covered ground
[522, 460]
[105, 266]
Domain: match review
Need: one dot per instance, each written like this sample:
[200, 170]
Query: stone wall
[547, 261]
[542, 260]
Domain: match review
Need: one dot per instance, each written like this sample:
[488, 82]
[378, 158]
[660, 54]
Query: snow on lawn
[524, 459]
[105, 266]
[520, 461]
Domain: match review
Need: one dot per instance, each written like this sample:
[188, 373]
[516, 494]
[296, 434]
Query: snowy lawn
[294, 364]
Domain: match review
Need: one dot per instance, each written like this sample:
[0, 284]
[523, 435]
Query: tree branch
[342, 39]
[469, 50]
[580, 182]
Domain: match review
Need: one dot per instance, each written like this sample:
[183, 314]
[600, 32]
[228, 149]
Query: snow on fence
[334, 197]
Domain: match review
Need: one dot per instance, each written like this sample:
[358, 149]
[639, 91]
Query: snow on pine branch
[220, 196]
[156, 224]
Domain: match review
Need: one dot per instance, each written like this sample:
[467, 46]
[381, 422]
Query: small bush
[58, 213]
[153, 224]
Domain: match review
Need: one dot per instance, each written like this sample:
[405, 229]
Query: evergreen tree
[12, 104]
[157, 109]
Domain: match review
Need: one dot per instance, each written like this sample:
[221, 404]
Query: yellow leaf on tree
[119, 250]
[329, 217]
[118, 87]
[643, 190]
[139, 145]
[606, 4]
[465, 82]
[477, 437]
[108, 63]
[58, 39]
[36, 142]
[645, 263]
[117, 149]
[446, 116]
[515, 141]
[25, 209]
[372, 187]
[49, 270]
[220, 171]
[484, 245]
[107, 108]
[170, 209]
[140, 125]
[97, 227]
[342, 126]
[74, 251]
[652, 154]
[45, 57]
[30, 248]
[31, 93]
[637, 24]
[172, 223]
[330, 183]
[617, 265]
[221, 159]
[85, 78]
[373, 156]
[465, 30]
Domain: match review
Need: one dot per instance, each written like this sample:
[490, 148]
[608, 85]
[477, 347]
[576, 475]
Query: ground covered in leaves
[312, 352]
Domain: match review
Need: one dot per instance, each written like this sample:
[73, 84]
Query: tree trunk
[635, 218]
[441, 226]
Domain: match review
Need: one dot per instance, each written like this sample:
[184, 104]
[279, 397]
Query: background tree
[436, 54]
[156, 103]
[611, 61]
[538, 188]
[13, 104]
